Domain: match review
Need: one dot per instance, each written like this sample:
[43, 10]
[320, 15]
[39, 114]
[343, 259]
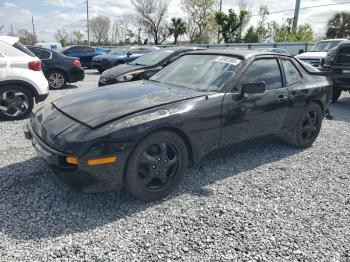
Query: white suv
[21, 80]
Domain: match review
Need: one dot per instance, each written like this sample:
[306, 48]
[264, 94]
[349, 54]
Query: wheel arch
[320, 103]
[179, 132]
[30, 87]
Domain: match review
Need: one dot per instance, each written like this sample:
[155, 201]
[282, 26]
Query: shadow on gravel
[33, 206]
[341, 110]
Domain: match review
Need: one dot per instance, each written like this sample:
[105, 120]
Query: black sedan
[144, 134]
[144, 67]
[58, 68]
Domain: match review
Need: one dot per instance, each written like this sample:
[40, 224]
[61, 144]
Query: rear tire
[16, 102]
[336, 94]
[57, 79]
[308, 127]
[156, 166]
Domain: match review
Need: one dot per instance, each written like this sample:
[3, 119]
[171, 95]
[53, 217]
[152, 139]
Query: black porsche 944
[143, 135]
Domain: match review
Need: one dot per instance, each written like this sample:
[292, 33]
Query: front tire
[307, 128]
[336, 94]
[16, 102]
[57, 80]
[156, 166]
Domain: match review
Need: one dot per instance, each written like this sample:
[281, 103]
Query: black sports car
[144, 67]
[58, 68]
[144, 134]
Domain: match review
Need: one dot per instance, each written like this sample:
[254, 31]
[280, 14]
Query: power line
[307, 7]
[52, 16]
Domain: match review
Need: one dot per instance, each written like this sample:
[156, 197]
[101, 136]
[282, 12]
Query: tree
[201, 19]
[339, 26]
[178, 27]
[26, 38]
[62, 36]
[283, 32]
[231, 24]
[152, 15]
[100, 26]
[78, 36]
[251, 36]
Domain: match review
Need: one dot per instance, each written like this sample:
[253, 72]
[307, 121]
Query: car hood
[109, 56]
[99, 106]
[120, 70]
[312, 55]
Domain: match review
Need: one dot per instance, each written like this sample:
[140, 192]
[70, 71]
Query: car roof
[242, 53]
[182, 48]
[346, 42]
[336, 39]
[11, 40]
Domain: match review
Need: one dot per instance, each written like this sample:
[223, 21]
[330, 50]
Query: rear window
[309, 68]
[23, 48]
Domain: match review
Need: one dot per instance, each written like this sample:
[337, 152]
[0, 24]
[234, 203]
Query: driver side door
[246, 116]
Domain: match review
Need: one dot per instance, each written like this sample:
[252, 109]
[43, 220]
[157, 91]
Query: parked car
[275, 50]
[337, 63]
[21, 80]
[59, 69]
[84, 53]
[119, 56]
[144, 67]
[52, 46]
[319, 52]
[144, 134]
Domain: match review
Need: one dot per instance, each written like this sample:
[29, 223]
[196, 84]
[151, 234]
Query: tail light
[77, 63]
[35, 65]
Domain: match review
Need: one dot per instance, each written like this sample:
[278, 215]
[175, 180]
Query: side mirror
[128, 53]
[254, 88]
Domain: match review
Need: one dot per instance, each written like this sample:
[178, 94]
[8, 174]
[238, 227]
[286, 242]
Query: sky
[50, 15]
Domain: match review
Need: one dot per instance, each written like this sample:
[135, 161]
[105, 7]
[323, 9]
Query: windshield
[324, 46]
[118, 51]
[200, 72]
[152, 58]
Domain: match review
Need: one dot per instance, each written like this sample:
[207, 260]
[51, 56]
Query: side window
[36, 52]
[262, 70]
[291, 73]
[45, 54]
[174, 57]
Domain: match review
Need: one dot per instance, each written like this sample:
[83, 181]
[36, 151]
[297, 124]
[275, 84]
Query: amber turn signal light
[72, 160]
[102, 161]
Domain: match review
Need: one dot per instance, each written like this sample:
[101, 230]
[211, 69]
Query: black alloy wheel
[16, 103]
[156, 166]
[308, 127]
[57, 80]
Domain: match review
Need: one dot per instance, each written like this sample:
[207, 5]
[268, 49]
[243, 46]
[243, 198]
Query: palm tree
[178, 27]
[339, 25]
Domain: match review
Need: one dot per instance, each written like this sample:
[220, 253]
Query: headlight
[330, 55]
[124, 78]
[128, 76]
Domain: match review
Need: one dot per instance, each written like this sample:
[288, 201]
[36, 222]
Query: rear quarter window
[23, 49]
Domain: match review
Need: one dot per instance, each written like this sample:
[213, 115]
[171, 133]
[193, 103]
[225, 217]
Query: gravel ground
[265, 201]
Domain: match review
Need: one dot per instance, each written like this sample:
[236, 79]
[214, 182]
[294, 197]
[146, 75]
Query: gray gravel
[265, 201]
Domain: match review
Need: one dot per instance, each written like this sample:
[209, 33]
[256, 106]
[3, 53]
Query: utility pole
[296, 15]
[219, 26]
[87, 21]
[11, 30]
[33, 27]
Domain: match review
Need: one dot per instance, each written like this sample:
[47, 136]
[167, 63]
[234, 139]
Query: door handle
[282, 98]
